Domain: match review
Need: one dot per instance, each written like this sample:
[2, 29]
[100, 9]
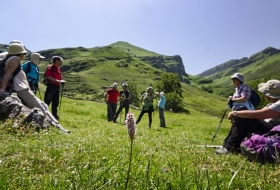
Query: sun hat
[16, 48]
[115, 85]
[238, 76]
[35, 58]
[124, 84]
[15, 41]
[150, 88]
[271, 88]
[161, 93]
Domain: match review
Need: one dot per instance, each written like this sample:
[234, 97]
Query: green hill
[90, 71]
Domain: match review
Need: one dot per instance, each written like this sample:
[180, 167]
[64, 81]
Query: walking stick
[62, 85]
[39, 92]
[228, 106]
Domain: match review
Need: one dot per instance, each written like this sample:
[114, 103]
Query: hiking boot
[56, 117]
[222, 151]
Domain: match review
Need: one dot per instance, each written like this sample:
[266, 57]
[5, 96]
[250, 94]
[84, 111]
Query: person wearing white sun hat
[14, 73]
[259, 122]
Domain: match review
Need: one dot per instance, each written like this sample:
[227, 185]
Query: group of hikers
[245, 119]
[112, 95]
[23, 78]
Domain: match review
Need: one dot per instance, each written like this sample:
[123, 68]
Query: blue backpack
[255, 99]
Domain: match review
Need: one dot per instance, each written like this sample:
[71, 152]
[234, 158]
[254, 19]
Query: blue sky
[205, 33]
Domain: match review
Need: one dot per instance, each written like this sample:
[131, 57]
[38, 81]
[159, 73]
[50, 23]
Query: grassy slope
[162, 158]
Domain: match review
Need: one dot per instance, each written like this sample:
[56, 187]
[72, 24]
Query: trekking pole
[62, 85]
[228, 106]
[39, 92]
[54, 121]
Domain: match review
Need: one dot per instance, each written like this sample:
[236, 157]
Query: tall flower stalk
[131, 129]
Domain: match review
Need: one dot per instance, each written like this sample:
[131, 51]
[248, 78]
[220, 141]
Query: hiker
[261, 121]
[124, 101]
[32, 71]
[161, 107]
[111, 98]
[14, 73]
[54, 77]
[3, 54]
[241, 96]
[147, 101]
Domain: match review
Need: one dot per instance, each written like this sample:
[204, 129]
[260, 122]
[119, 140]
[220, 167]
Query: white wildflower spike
[131, 125]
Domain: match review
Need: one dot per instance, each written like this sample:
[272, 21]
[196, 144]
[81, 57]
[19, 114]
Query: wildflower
[131, 125]
[131, 129]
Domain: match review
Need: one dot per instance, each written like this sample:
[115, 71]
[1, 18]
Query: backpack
[255, 99]
[44, 79]
[28, 69]
[2, 73]
[263, 148]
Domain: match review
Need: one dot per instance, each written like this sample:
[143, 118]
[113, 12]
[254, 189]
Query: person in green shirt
[147, 101]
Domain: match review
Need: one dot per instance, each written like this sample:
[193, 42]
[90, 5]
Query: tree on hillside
[171, 86]
[134, 94]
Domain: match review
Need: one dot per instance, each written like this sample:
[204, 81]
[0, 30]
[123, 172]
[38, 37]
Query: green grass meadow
[95, 155]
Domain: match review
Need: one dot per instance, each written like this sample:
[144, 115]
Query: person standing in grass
[259, 122]
[111, 98]
[161, 107]
[32, 71]
[54, 77]
[147, 101]
[124, 101]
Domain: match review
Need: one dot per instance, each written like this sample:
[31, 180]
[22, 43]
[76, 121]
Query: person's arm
[128, 98]
[141, 99]
[10, 68]
[106, 96]
[245, 94]
[254, 114]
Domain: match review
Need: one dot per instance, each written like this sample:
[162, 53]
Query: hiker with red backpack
[246, 122]
[54, 77]
[31, 70]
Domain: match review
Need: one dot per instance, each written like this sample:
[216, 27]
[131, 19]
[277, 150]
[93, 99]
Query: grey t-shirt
[276, 107]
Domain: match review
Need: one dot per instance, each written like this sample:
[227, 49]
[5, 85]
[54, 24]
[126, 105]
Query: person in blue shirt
[32, 71]
[161, 107]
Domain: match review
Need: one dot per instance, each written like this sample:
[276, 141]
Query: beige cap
[271, 88]
[16, 48]
[35, 58]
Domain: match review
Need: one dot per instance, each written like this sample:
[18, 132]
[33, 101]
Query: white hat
[238, 76]
[35, 58]
[271, 88]
[115, 85]
[161, 93]
[16, 48]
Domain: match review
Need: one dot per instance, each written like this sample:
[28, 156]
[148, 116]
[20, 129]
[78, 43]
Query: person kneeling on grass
[246, 122]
